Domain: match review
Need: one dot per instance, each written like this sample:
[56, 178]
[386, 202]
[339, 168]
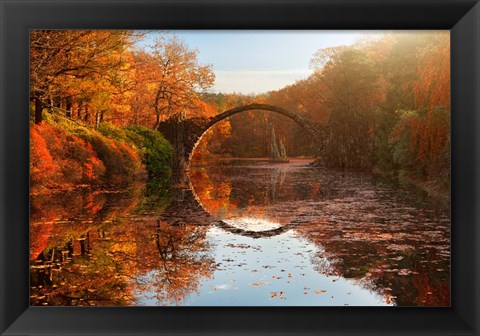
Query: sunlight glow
[252, 224]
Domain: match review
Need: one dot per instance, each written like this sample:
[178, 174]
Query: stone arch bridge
[186, 134]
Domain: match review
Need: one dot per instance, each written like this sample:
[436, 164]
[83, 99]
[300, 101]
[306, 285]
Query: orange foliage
[213, 139]
[81, 68]
[432, 89]
[214, 196]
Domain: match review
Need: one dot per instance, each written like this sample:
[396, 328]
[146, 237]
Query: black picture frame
[462, 17]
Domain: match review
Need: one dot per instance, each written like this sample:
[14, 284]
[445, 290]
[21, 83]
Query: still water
[243, 233]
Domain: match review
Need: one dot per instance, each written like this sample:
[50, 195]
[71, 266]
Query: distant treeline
[384, 103]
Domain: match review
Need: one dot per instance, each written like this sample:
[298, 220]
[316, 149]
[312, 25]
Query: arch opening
[301, 121]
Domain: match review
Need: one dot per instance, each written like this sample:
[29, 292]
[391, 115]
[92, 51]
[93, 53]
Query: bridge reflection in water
[269, 237]
[244, 226]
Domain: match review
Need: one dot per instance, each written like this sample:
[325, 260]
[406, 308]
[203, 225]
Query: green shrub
[112, 132]
[157, 152]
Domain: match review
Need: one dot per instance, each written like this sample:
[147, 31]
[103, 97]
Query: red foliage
[61, 159]
[42, 167]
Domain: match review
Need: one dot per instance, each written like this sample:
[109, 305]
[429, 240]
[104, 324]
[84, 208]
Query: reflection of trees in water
[395, 243]
[227, 192]
[57, 218]
[71, 247]
[386, 244]
[97, 248]
[409, 275]
[94, 252]
[88, 276]
[215, 195]
[180, 261]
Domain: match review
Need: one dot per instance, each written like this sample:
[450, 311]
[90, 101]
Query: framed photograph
[182, 168]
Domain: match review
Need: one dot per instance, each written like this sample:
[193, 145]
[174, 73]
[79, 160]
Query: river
[243, 233]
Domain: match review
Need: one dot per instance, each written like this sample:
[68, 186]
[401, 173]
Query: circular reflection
[240, 206]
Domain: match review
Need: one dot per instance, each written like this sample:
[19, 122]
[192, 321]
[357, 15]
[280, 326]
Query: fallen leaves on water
[281, 295]
[259, 283]
[243, 246]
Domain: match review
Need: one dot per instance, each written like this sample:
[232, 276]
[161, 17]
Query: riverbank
[65, 155]
[434, 188]
[222, 160]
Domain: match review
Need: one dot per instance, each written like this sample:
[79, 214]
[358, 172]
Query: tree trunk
[97, 118]
[38, 111]
[79, 110]
[87, 114]
[157, 122]
[83, 250]
[68, 107]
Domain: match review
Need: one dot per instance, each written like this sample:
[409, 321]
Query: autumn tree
[396, 57]
[179, 77]
[350, 80]
[142, 102]
[421, 137]
[62, 62]
[432, 85]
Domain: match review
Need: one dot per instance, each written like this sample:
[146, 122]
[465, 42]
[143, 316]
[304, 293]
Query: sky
[252, 62]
